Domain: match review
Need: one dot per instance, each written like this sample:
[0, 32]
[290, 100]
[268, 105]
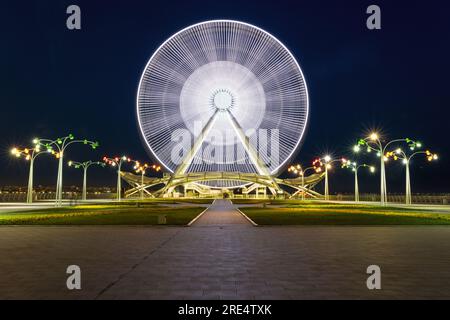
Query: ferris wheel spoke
[182, 168]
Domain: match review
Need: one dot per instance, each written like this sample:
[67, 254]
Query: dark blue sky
[55, 81]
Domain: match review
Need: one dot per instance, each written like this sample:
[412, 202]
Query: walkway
[221, 214]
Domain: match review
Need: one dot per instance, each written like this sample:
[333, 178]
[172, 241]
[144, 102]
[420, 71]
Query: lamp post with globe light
[298, 169]
[117, 162]
[374, 143]
[30, 154]
[355, 167]
[399, 154]
[85, 166]
[61, 144]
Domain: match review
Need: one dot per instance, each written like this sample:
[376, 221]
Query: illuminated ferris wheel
[235, 89]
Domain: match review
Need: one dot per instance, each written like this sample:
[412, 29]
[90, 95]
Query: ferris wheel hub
[223, 100]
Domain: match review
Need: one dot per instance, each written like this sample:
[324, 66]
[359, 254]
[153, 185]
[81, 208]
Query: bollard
[162, 219]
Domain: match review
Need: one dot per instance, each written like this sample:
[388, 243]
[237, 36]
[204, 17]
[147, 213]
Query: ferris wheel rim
[301, 136]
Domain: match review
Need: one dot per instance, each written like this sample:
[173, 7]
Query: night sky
[55, 81]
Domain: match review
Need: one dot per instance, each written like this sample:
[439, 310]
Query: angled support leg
[182, 168]
[252, 153]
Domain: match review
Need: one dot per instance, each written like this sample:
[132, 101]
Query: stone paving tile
[216, 260]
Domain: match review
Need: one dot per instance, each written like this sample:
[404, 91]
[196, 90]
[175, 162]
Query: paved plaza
[222, 256]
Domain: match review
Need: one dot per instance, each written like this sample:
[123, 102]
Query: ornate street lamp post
[117, 162]
[61, 145]
[327, 161]
[85, 166]
[141, 168]
[298, 169]
[355, 167]
[399, 154]
[374, 143]
[30, 155]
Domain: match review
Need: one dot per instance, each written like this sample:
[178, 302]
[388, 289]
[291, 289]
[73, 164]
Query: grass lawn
[193, 200]
[153, 201]
[123, 214]
[326, 214]
[250, 201]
